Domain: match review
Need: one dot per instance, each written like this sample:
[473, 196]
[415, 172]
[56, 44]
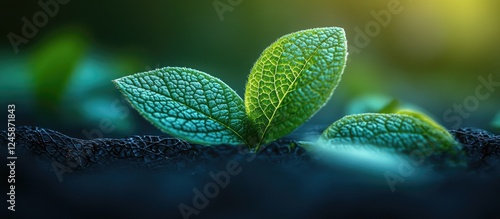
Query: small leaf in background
[391, 107]
[53, 64]
[293, 78]
[403, 132]
[187, 103]
[373, 103]
[89, 99]
[495, 123]
[15, 75]
[360, 158]
[379, 103]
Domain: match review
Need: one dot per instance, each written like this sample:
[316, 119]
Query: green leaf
[53, 64]
[187, 103]
[391, 107]
[495, 122]
[293, 78]
[403, 132]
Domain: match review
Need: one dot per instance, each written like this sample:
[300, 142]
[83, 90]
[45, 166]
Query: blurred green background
[427, 55]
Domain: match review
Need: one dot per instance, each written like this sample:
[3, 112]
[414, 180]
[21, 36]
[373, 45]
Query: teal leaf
[402, 132]
[187, 103]
[292, 79]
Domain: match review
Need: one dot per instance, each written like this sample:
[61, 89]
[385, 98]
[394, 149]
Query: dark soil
[150, 176]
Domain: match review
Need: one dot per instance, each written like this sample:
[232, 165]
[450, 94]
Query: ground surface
[150, 177]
